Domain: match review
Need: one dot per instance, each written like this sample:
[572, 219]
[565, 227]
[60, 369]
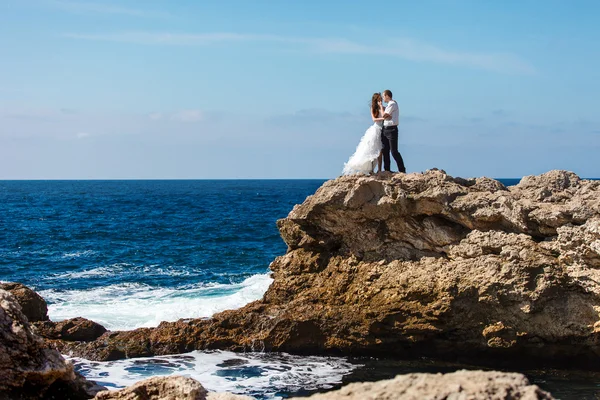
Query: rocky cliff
[422, 264]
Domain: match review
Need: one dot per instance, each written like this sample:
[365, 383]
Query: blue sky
[280, 89]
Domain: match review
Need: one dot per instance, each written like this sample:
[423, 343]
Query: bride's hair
[374, 106]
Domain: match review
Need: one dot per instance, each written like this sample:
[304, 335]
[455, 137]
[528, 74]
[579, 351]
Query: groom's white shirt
[392, 110]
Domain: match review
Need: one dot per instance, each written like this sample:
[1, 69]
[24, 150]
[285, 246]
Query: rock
[461, 385]
[74, 329]
[415, 265]
[78, 389]
[28, 369]
[158, 388]
[22, 354]
[457, 385]
[32, 304]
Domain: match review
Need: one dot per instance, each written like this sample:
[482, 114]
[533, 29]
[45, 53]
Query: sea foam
[122, 270]
[133, 305]
[264, 375]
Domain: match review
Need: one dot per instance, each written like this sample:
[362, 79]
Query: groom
[389, 134]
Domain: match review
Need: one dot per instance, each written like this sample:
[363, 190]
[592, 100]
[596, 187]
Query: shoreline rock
[490, 385]
[32, 304]
[28, 368]
[456, 385]
[417, 265]
[73, 330]
[167, 388]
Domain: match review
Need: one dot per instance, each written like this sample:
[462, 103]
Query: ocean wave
[123, 268]
[264, 375]
[78, 254]
[94, 272]
[132, 305]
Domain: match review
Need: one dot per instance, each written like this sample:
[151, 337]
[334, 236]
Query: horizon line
[212, 179]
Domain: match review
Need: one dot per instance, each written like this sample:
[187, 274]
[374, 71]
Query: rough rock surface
[158, 388]
[32, 304]
[167, 388]
[461, 385]
[422, 264]
[28, 369]
[74, 329]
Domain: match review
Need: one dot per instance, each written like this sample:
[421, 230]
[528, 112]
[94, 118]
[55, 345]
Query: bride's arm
[382, 112]
[375, 119]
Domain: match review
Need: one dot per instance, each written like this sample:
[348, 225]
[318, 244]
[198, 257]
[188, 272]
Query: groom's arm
[388, 111]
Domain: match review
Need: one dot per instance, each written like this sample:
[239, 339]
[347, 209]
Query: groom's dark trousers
[389, 138]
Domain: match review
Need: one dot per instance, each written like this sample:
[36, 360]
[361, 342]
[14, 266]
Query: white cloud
[404, 48]
[173, 39]
[155, 116]
[32, 114]
[82, 7]
[82, 135]
[188, 116]
[413, 50]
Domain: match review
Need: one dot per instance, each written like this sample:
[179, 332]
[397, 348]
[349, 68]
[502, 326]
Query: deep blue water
[208, 231]
[134, 253]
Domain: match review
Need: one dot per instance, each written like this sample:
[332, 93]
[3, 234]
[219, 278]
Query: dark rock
[32, 304]
[73, 330]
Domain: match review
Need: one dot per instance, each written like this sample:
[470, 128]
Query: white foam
[123, 268]
[254, 374]
[78, 254]
[129, 306]
[95, 272]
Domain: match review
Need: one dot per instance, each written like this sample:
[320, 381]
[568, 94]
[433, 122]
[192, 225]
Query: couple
[379, 140]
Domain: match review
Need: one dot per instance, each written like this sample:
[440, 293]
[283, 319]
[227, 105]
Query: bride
[369, 149]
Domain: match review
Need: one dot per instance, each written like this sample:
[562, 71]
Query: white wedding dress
[364, 158]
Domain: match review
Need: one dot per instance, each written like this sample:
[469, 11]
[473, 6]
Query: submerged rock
[422, 264]
[460, 385]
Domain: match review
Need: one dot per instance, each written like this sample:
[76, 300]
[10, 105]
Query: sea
[133, 253]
